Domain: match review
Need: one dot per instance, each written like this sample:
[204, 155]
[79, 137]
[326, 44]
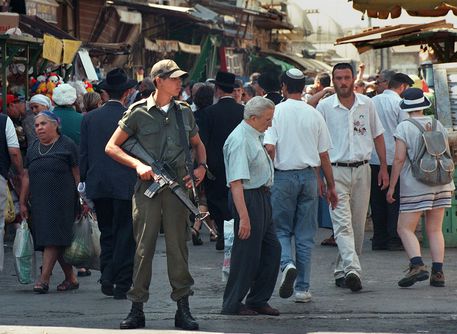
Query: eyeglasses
[380, 81]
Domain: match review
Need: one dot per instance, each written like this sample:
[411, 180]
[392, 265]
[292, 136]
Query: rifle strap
[183, 138]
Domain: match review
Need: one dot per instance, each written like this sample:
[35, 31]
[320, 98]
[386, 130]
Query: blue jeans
[294, 198]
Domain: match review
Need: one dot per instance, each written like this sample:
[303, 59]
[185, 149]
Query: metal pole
[4, 76]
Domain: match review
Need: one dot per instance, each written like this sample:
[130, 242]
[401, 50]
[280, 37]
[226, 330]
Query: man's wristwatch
[205, 166]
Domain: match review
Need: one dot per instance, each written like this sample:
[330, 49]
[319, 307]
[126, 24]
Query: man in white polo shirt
[9, 154]
[298, 141]
[354, 126]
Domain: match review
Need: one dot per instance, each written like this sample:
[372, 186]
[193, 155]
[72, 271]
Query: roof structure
[382, 9]
[441, 36]
[37, 27]
[306, 64]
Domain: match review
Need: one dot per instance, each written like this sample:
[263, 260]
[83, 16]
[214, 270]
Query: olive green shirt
[158, 132]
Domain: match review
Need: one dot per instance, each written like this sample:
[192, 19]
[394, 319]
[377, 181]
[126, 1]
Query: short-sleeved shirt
[352, 130]
[299, 134]
[10, 133]
[388, 108]
[157, 130]
[246, 159]
[410, 135]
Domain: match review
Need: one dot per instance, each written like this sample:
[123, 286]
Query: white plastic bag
[24, 252]
[228, 243]
[95, 237]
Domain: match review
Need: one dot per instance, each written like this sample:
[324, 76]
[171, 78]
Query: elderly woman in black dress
[50, 180]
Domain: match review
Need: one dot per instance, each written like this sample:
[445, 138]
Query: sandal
[196, 240]
[67, 285]
[84, 272]
[41, 288]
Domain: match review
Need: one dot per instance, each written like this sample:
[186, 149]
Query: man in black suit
[110, 185]
[269, 82]
[222, 118]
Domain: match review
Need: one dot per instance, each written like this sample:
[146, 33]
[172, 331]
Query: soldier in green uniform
[153, 122]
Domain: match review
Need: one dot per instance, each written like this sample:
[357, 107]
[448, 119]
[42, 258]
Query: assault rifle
[166, 178]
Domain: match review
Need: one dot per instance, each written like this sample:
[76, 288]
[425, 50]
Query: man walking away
[110, 185]
[298, 141]
[222, 118]
[383, 214]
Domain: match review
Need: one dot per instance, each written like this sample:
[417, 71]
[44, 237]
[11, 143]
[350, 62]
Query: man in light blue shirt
[383, 214]
[256, 250]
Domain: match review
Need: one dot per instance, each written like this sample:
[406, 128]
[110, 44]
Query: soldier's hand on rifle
[145, 172]
[199, 175]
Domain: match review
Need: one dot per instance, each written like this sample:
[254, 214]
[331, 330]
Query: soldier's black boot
[183, 318]
[135, 319]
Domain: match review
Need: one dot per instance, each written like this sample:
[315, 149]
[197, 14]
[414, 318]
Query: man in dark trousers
[110, 185]
[222, 118]
[256, 250]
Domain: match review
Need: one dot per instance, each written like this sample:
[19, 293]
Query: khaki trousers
[349, 217]
[148, 214]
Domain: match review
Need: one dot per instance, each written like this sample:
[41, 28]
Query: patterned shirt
[352, 130]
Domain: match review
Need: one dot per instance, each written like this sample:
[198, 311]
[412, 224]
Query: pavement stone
[381, 307]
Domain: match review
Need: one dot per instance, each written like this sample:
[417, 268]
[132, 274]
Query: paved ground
[381, 307]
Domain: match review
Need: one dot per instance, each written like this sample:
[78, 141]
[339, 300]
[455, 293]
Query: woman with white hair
[39, 103]
[64, 97]
[50, 177]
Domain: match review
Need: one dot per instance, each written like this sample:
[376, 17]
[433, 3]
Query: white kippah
[295, 73]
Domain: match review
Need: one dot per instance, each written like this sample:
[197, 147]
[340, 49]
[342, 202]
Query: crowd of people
[279, 157]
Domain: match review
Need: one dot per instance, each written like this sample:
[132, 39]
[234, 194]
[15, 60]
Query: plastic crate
[449, 227]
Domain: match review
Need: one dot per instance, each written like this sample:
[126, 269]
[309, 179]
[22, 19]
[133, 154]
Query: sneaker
[415, 273]
[437, 279]
[352, 281]
[340, 282]
[303, 296]
[286, 289]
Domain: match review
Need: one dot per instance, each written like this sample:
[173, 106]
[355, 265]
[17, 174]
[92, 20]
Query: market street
[381, 307]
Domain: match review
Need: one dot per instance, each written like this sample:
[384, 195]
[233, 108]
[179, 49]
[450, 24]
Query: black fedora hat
[414, 99]
[225, 79]
[117, 80]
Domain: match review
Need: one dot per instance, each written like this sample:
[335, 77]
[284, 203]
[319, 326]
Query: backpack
[433, 164]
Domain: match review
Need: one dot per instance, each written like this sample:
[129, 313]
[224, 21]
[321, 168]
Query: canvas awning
[441, 36]
[307, 65]
[382, 9]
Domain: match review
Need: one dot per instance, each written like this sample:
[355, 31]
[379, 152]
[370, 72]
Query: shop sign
[8, 21]
[44, 9]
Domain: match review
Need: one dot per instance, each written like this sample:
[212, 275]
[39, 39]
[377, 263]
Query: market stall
[18, 55]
